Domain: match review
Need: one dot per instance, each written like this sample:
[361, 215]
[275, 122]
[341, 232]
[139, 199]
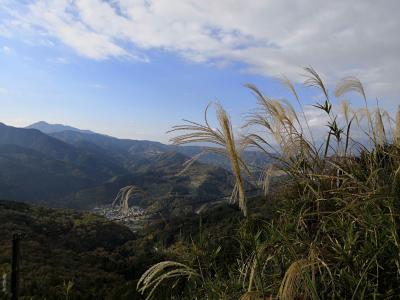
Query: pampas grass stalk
[222, 137]
[333, 229]
[163, 271]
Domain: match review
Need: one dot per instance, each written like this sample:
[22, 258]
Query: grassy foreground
[333, 226]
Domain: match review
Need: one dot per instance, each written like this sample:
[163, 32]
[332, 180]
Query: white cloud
[337, 38]
[59, 60]
[97, 86]
[6, 50]
[316, 117]
[3, 91]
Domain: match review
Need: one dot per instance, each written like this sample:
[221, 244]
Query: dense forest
[67, 254]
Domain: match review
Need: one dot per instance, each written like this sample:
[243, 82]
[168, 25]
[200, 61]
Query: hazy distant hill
[81, 170]
[123, 147]
[50, 128]
[124, 150]
[77, 136]
[97, 165]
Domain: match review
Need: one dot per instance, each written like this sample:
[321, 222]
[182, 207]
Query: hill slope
[61, 247]
[84, 170]
[125, 147]
[50, 128]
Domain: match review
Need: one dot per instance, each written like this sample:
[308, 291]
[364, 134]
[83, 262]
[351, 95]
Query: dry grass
[223, 137]
[334, 233]
[397, 128]
[165, 270]
[125, 194]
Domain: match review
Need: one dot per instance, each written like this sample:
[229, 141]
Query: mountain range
[51, 128]
[62, 166]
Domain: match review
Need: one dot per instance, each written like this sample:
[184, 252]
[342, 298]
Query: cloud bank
[270, 38]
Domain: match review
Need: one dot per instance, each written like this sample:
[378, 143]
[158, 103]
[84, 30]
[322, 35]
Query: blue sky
[118, 96]
[134, 68]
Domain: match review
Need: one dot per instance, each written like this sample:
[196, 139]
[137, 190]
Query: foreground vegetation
[70, 255]
[67, 254]
[333, 227]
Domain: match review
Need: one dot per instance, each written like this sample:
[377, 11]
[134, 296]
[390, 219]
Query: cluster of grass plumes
[335, 226]
[124, 195]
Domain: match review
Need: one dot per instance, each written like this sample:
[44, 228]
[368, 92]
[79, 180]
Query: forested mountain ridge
[118, 147]
[81, 170]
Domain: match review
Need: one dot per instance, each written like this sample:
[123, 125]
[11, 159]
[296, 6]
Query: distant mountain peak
[53, 128]
[40, 123]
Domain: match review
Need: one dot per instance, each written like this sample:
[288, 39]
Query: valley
[134, 218]
[81, 169]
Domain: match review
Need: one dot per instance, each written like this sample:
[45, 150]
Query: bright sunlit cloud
[269, 37]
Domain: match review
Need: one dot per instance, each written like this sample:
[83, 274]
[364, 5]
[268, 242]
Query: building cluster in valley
[134, 217]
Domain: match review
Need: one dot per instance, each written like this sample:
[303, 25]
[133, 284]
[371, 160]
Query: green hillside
[96, 258]
[60, 248]
[86, 170]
